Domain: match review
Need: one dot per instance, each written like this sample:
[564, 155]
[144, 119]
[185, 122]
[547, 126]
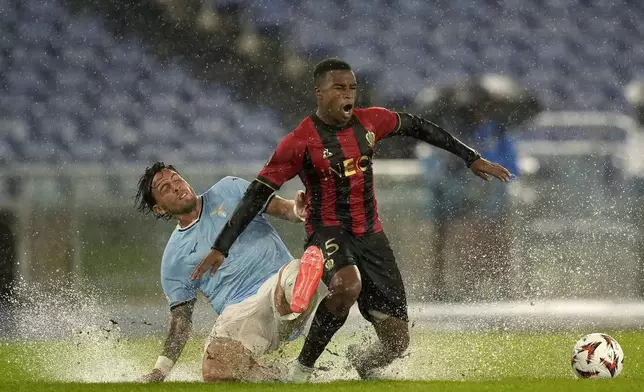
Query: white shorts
[256, 323]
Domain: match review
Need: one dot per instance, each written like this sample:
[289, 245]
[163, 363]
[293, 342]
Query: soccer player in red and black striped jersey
[331, 151]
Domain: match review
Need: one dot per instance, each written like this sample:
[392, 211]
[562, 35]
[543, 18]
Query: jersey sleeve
[386, 123]
[176, 289]
[285, 162]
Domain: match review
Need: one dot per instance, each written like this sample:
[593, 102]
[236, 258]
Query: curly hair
[144, 200]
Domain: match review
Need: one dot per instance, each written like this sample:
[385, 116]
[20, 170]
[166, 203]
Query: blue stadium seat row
[72, 94]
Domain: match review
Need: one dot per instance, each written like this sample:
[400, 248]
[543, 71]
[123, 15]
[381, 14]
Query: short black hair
[327, 65]
[144, 200]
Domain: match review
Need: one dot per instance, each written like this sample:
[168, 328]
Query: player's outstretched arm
[290, 210]
[424, 130]
[180, 328]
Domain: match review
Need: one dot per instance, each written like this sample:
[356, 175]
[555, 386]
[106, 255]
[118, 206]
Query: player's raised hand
[155, 375]
[211, 262]
[486, 170]
[300, 204]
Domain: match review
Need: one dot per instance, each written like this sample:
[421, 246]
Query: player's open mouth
[347, 109]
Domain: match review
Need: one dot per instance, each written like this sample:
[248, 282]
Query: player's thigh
[383, 290]
[335, 245]
[251, 322]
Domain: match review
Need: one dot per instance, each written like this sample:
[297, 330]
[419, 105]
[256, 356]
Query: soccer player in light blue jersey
[251, 291]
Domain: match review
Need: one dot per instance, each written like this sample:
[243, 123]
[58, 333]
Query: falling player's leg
[256, 326]
[382, 302]
[243, 332]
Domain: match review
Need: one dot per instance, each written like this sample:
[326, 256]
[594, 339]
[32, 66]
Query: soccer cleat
[308, 279]
[299, 373]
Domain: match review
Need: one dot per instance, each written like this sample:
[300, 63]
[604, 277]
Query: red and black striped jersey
[335, 166]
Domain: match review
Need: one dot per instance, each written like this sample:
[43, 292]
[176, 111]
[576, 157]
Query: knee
[209, 369]
[211, 373]
[226, 360]
[344, 290]
[214, 377]
[349, 290]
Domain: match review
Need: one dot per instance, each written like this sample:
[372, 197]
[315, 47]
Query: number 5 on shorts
[331, 248]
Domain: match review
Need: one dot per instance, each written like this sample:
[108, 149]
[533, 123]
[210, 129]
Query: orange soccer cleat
[308, 279]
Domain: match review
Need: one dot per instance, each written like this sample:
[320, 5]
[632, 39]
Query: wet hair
[144, 200]
[327, 65]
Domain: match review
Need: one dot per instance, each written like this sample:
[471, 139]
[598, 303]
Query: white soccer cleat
[299, 373]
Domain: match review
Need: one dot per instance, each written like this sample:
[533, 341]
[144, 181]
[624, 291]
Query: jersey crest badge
[219, 211]
[327, 154]
[371, 138]
[329, 264]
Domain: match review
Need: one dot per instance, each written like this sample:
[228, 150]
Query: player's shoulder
[304, 127]
[226, 182]
[222, 185]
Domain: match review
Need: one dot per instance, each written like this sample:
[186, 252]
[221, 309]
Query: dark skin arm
[428, 132]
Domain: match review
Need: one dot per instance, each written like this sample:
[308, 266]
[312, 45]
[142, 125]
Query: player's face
[172, 194]
[336, 96]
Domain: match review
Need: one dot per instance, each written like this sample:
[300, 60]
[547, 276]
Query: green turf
[444, 361]
[349, 386]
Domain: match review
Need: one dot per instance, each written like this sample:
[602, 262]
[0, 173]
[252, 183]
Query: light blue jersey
[257, 254]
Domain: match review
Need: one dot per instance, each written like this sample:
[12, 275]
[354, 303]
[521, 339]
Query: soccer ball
[597, 355]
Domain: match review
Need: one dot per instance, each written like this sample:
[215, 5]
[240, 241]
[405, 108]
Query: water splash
[66, 334]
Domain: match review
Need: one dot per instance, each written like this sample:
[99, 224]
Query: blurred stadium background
[94, 91]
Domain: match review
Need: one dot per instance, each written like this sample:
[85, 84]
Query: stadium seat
[61, 72]
[74, 93]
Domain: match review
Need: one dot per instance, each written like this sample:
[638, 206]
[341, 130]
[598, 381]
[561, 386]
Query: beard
[190, 206]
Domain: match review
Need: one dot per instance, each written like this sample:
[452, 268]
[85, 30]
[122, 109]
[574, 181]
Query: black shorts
[382, 286]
